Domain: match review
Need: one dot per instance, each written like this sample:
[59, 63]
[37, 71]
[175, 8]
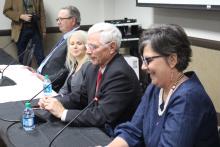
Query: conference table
[12, 100]
[13, 135]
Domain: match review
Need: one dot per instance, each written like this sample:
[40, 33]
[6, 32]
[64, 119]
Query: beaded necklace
[160, 112]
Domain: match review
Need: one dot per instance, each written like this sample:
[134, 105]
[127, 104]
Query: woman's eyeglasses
[147, 60]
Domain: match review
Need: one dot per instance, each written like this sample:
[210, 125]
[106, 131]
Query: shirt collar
[68, 34]
[103, 69]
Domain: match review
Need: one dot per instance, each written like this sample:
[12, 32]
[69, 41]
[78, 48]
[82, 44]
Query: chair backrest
[219, 134]
[28, 55]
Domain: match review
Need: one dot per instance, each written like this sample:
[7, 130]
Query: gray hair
[166, 39]
[108, 33]
[74, 12]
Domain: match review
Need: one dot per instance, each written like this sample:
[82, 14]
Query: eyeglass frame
[59, 19]
[94, 47]
[147, 60]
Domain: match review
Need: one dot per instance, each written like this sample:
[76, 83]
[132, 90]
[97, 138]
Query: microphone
[6, 81]
[59, 132]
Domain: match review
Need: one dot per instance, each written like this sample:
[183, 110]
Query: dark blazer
[55, 66]
[119, 95]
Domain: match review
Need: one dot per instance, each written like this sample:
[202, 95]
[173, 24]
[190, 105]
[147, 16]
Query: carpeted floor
[6, 58]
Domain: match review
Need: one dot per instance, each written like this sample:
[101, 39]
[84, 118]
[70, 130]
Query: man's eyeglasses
[59, 19]
[94, 47]
[147, 60]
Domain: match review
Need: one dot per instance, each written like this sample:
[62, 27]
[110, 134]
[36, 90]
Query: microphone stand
[58, 133]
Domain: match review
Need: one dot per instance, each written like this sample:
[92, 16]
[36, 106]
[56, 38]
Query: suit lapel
[20, 5]
[35, 5]
[107, 67]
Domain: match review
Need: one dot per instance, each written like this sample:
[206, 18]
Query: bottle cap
[27, 105]
[46, 77]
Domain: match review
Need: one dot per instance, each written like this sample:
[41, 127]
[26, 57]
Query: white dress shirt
[62, 40]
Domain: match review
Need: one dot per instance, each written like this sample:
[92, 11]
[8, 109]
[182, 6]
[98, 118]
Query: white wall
[127, 8]
[91, 11]
[4, 21]
[198, 23]
[109, 6]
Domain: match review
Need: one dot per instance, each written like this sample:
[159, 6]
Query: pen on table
[37, 108]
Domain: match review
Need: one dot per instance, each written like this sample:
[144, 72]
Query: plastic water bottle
[47, 86]
[28, 118]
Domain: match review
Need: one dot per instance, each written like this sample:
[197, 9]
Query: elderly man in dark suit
[110, 87]
[53, 65]
[27, 22]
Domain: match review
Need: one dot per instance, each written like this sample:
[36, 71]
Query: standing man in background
[28, 22]
[68, 21]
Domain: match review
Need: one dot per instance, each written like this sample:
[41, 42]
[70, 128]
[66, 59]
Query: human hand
[29, 68]
[42, 102]
[52, 105]
[41, 77]
[26, 17]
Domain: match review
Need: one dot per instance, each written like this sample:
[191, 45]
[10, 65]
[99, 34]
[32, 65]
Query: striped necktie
[98, 81]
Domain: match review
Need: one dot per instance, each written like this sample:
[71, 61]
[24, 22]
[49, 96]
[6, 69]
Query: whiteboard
[185, 2]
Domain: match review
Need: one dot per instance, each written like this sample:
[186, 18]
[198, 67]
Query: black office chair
[28, 55]
[218, 118]
[219, 132]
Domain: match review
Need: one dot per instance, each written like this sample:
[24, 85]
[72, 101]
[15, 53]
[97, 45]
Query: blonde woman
[76, 61]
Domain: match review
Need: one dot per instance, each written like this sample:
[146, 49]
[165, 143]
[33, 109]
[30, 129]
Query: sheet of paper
[27, 84]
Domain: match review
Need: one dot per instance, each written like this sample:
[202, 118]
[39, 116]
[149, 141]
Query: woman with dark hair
[175, 110]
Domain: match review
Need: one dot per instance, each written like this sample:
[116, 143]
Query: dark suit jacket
[119, 96]
[14, 8]
[55, 67]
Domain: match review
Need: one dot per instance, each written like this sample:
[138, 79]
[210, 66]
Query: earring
[171, 76]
